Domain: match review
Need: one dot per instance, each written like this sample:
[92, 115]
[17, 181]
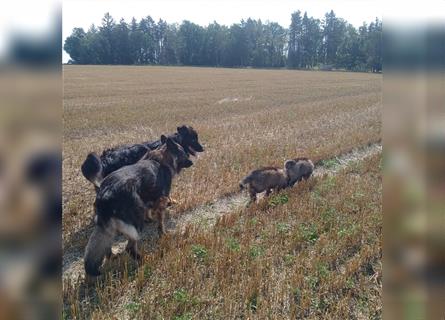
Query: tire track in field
[205, 215]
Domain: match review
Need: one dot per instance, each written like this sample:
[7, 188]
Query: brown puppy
[300, 168]
[266, 179]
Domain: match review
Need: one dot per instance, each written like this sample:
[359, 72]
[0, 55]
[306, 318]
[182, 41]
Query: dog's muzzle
[194, 150]
[187, 164]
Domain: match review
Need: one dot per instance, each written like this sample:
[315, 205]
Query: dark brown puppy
[266, 179]
[301, 168]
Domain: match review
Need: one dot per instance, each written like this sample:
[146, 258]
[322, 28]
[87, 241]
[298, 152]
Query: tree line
[308, 43]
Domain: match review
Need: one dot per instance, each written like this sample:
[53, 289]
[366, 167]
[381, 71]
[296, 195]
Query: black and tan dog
[125, 197]
[96, 168]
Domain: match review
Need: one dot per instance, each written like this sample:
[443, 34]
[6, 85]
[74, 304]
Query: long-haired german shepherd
[125, 196]
[96, 168]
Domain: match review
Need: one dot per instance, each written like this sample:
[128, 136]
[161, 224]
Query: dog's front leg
[148, 217]
[132, 249]
[148, 213]
[160, 208]
[252, 193]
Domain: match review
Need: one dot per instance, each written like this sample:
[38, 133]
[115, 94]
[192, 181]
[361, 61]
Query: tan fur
[162, 156]
[149, 213]
[159, 212]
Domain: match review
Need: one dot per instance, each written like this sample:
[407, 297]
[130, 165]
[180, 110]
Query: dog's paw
[165, 233]
[171, 202]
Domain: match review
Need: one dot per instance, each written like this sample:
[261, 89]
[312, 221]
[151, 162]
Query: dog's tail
[244, 182]
[99, 245]
[92, 169]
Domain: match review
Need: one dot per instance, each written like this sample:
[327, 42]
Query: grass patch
[256, 251]
[199, 252]
[278, 199]
[133, 307]
[330, 163]
[233, 244]
[309, 233]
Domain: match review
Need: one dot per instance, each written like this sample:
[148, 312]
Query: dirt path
[205, 215]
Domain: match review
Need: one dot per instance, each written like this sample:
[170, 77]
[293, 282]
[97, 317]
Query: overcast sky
[83, 13]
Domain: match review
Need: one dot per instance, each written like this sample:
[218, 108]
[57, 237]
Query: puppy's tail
[99, 245]
[244, 182]
[92, 169]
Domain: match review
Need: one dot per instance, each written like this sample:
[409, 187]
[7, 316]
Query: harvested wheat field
[311, 251]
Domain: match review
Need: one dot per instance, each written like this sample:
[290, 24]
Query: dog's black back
[116, 158]
[96, 168]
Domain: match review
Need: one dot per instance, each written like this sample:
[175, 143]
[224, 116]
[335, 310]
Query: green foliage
[180, 296]
[199, 252]
[309, 233]
[322, 270]
[256, 251]
[297, 296]
[132, 307]
[147, 271]
[253, 302]
[185, 316]
[347, 231]
[329, 163]
[278, 199]
[283, 227]
[254, 221]
[233, 244]
[329, 214]
[310, 43]
[312, 282]
[289, 259]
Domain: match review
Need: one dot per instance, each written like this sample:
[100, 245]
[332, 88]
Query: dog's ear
[182, 130]
[289, 164]
[163, 139]
[171, 145]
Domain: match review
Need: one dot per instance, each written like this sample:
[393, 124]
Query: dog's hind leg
[132, 249]
[160, 207]
[99, 246]
[133, 236]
